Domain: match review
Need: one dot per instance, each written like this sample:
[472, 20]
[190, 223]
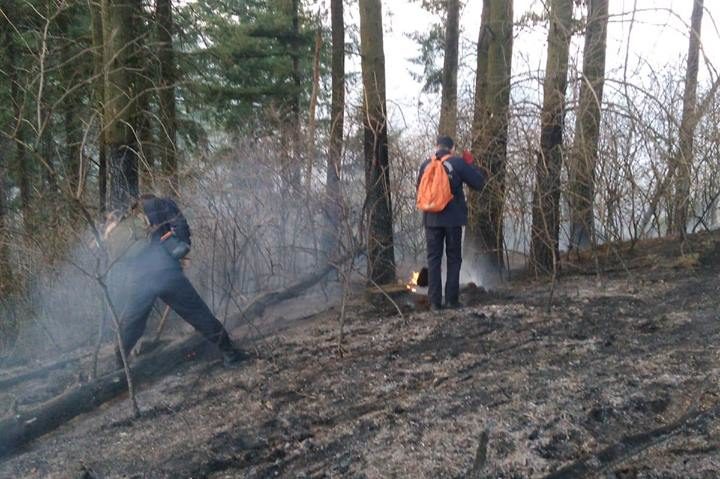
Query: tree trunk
[378, 205]
[5, 269]
[333, 209]
[23, 175]
[166, 96]
[663, 187]
[484, 235]
[546, 197]
[99, 97]
[20, 165]
[448, 107]
[120, 102]
[141, 84]
[291, 125]
[684, 159]
[50, 167]
[70, 110]
[587, 130]
[310, 139]
[143, 132]
[73, 141]
[6, 280]
[297, 82]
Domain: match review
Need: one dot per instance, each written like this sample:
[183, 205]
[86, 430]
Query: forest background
[290, 132]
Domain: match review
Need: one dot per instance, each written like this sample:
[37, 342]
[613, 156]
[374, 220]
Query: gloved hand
[175, 246]
[467, 156]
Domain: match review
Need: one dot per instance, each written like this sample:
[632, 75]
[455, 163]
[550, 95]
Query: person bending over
[146, 245]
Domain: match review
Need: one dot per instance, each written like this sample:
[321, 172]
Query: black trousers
[450, 240]
[135, 287]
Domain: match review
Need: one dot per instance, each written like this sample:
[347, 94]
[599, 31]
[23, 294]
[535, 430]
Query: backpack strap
[448, 166]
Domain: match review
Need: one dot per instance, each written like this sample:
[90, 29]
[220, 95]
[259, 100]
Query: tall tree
[5, 268]
[484, 235]
[297, 81]
[684, 158]
[292, 166]
[166, 94]
[379, 229]
[337, 124]
[240, 55]
[120, 100]
[99, 96]
[448, 107]
[141, 70]
[587, 129]
[310, 139]
[8, 327]
[546, 197]
[72, 73]
[17, 100]
[7, 125]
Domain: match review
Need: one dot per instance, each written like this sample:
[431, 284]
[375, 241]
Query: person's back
[140, 237]
[459, 173]
[165, 216]
[126, 236]
[166, 225]
[443, 230]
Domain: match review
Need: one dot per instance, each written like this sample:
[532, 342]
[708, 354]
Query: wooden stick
[161, 326]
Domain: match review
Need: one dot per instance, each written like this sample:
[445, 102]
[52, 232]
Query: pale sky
[659, 37]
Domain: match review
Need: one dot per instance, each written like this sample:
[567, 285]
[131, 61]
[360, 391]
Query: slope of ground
[619, 377]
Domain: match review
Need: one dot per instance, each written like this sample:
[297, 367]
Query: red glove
[467, 156]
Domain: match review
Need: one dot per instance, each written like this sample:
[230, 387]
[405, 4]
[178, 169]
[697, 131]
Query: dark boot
[232, 356]
[454, 305]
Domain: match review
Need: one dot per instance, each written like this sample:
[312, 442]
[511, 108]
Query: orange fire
[412, 285]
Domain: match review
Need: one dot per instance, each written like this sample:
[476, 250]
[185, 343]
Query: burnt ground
[622, 372]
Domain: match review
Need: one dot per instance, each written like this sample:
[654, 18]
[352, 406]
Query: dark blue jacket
[164, 215]
[456, 212]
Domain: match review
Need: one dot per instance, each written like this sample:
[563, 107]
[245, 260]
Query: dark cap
[445, 141]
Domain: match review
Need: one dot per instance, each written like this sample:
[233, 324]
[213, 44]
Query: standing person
[443, 229]
[146, 245]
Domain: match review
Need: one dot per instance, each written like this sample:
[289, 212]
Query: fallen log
[257, 305]
[20, 429]
[38, 373]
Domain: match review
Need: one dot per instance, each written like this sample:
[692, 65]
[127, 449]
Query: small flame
[412, 285]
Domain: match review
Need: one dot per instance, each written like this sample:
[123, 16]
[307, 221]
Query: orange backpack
[434, 194]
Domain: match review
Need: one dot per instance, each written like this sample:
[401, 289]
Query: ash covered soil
[620, 377]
